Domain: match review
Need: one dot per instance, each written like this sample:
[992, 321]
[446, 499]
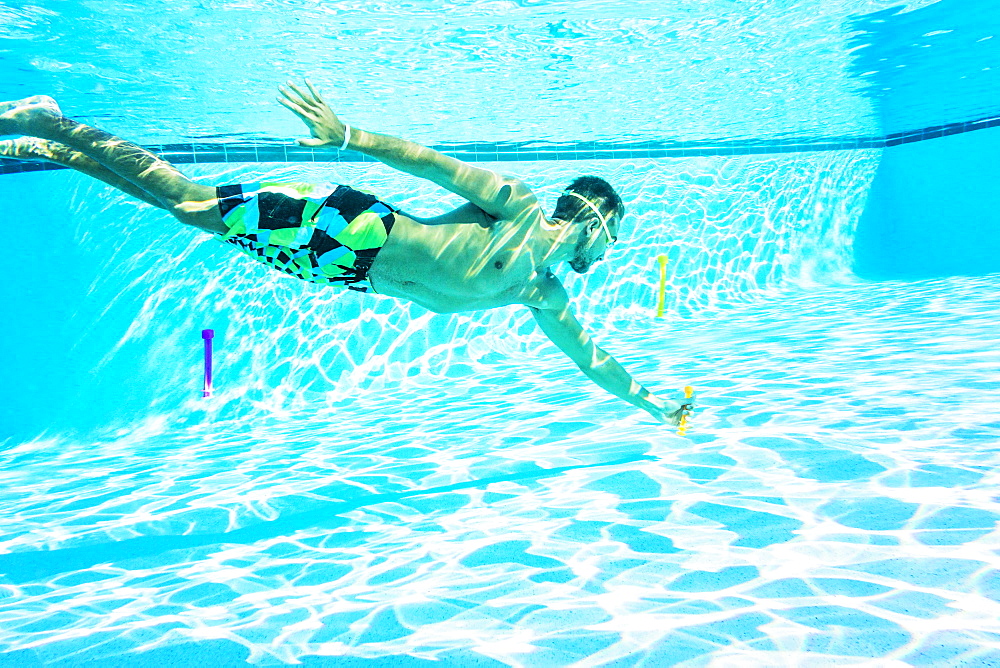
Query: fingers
[316, 96]
[286, 100]
[295, 96]
[311, 110]
[284, 91]
[305, 97]
[301, 98]
[294, 108]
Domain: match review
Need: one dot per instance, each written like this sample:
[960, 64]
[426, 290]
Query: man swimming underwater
[495, 250]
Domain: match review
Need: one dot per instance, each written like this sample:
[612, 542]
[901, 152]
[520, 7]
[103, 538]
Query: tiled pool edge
[203, 153]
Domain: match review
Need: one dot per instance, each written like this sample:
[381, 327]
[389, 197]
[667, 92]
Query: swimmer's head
[591, 203]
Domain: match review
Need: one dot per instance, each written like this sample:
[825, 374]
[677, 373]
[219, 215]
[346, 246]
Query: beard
[580, 266]
[581, 261]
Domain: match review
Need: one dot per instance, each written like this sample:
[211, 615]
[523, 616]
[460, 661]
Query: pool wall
[934, 210]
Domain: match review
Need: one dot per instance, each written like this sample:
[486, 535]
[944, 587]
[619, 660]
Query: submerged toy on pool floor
[687, 403]
[207, 334]
[662, 259]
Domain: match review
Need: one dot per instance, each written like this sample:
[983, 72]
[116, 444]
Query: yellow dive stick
[662, 259]
[688, 393]
[688, 390]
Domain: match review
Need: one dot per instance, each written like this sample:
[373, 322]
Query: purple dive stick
[207, 334]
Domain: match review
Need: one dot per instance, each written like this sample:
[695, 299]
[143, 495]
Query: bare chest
[461, 264]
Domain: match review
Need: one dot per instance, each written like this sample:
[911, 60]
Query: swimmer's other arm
[562, 327]
[497, 195]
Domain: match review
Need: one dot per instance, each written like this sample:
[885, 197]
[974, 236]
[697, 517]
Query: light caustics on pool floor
[734, 229]
[836, 500]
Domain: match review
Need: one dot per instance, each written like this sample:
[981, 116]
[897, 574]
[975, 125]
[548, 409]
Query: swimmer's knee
[203, 214]
[190, 196]
[191, 201]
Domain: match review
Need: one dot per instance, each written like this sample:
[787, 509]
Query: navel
[498, 264]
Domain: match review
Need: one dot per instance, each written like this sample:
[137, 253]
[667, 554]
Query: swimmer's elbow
[592, 362]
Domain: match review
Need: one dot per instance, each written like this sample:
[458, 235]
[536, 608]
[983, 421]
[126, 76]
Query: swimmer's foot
[20, 116]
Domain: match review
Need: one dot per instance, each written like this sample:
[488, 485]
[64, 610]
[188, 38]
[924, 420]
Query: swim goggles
[603, 219]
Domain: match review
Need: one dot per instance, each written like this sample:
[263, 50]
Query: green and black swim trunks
[330, 239]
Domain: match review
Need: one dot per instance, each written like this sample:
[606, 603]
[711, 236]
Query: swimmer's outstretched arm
[557, 321]
[500, 196]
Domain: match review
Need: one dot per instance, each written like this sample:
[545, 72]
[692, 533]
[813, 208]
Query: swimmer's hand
[670, 412]
[324, 126]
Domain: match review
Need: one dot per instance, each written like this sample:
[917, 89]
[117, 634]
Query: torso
[464, 260]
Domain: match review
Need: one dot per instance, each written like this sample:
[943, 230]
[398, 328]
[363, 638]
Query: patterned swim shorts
[330, 239]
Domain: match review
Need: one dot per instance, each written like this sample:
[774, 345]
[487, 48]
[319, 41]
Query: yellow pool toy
[688, 409]
[662, 259]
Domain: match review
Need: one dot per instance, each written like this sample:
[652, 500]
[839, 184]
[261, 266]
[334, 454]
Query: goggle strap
[593, 207]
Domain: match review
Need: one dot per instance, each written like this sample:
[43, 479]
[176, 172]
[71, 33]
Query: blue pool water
[375, 485]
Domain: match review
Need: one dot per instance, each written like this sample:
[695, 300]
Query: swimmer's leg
[190, 202]
[35, 149]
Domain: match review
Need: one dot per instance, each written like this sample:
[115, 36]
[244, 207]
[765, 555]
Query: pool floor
[834, 502]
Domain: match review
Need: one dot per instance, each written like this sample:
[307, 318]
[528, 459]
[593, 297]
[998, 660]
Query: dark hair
[595, 189]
